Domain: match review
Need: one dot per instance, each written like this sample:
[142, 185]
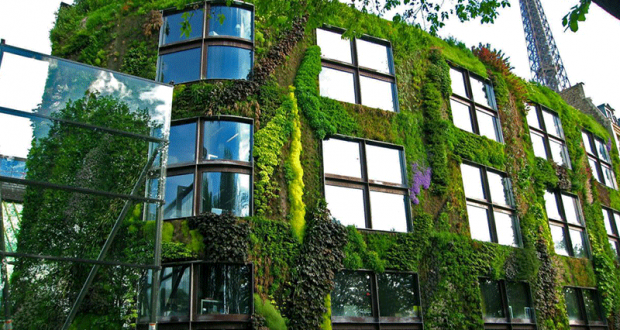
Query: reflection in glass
[179, 67]
[519, 305]
[224, 289]
[504, 224]
[538, 142]
[346, 205]
[532, 116]
[608, 175]
[174, 296]
[478, 222]
[182, 146]
[373, 56]
[579, 245]
[337, 85]
[461, 117]
[593, 308]
[552, 123]
[586, 142]
[458, 82]
[384, 164]
[152, 189]
[12, 167]
[388, 211]
[227, 140]
[472, 181]
[498, 186]
[572, 305]
[342, 158]
[602, 150]
[557, 233]
[593, 166]
[397, 295]
[230, 21]
[377, 93]
[571, 209]
[614, 246]
[616, 222]
[487, 125]
[351, 295]
[608, 223]
[171, 28]
[480, 90]
[225, 62]
[559, 154]
[179, 196]
[225, 192]
[491, 299]
[333, 46]
[551, 205]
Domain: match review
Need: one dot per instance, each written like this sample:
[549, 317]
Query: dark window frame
[586, 324]
[365, 183]
[544, 131]
[615, 237]
[491, 206]
[492, 323]
[200, 165]
[359, 71]
[598, 160]
[567, 226]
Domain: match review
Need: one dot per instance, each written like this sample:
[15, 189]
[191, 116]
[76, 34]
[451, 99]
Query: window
[13, 167]
[547, 134]
[473, 105]
[365, 184]
[612, 219]
[367, 297]
[490, 206]
[566, 223]
[209, 167]
[584, 308]
[505, 302]
[357, 71]
[195, 292]
[218, 45]
[599, 159]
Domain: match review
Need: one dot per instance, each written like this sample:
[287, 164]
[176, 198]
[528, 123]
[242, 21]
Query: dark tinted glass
[593, 308]
[12, 167]
[397, 295]
[224, 289]
[351, 295]
[179, 67]
[491, 299]
[179, 196]
[572, 305]
[171, 29]
[227, 140]
[226, 191]
[174, 295]
[224, 62]
[182, 146]
[230, 21]
[519, 305]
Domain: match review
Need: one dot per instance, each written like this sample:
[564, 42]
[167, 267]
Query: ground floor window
[506, 305]
[584, 309]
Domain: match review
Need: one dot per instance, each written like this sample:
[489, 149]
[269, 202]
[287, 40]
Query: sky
[589, 56]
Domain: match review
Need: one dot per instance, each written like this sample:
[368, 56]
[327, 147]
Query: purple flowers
[609, 145]
[421, 179]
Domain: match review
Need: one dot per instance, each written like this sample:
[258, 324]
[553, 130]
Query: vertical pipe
[5, 277]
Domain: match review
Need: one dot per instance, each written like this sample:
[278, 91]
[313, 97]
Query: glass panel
[479, 89]
[458, 82]
[553, 212]
[179, 67]
[498, 186]
[171, 28]
[586, 142]
[478, 223]
[487, 125]
[557, 233]
[579, 244]
[337, 85]
[608, 174]
[571, 209]
[179, 196]
[472, 181]
[538, 142]
[614, 246]
[602, 150]
[225, 62]
[559, 154]
[608, 223]
[182, 148]
[226, 192]
[227, 140]
[593, 308]
[461, 117]
[351, 295]
[11, 166]
[174, 295]
[384, 164]
[593, 166]
[519, 305]
[504, 224]
[388, 211]
[333, 46]
[552, 123]
[617, 221]
[397, 295]
[491, 299]
[377, 93]
[572, 305]
[373, 56]
[224, 289]
[230, 21]
[152, 192]
[342, 158]
[346, 205]
[532, 116]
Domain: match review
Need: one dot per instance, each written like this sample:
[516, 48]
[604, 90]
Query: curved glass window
[226, 192]
[182, 26]
[182, 146]
[174, 292]
[169, 64]
[224, 289]
[230, 21]
[224, 62]
[227, 140]
[179, 196]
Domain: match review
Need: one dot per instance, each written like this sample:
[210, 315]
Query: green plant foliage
[273, 319]
[226, 238]
[296, 172]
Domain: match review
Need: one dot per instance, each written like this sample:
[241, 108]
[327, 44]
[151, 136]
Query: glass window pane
[551, 205]
[333, 46]
[226, 192]
[397, 295]
[552, 123]
[472, 181]
[384, 164]
[179, 67]
[174, 295]
[601, 148]
[458, 82]
[11, 167]
[182, 146]
[342, 158]
[586, 142]
[559, 154]
[538, 142]
[179, 196]
[351, 295]
[227, 140]
[557, 233]
[532, 116]
[579, 245]
[504, 224]
[224, 289]
[337, 85]
[487, 125]
[224, 62]
[478, 222]
[377, 93]
[373, 56]
[608, 223]
[461, 116]
[614, 246]
[572, 209]
[498, 186]
[617, 221]
[593, 166]
[593, 308]
[608, 174]
[171, 28]
[572, 305]
[480, 89]
[519, 304]
[346, 205]
[491, 299]
[388, 211]
[230, 21]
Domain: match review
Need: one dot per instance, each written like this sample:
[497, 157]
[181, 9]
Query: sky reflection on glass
[388, 211]
[346, 205]
[337, 85]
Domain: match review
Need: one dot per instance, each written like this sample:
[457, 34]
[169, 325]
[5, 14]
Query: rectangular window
[566, 224]
[599, 159]
[365, 184]
[584, 308]
[506, 302]
[547, 134]
[473, 105]
[359, 71]
[490, 206]
[612, 219]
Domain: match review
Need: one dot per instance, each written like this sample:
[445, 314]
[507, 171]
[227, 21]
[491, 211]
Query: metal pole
[5, 278]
